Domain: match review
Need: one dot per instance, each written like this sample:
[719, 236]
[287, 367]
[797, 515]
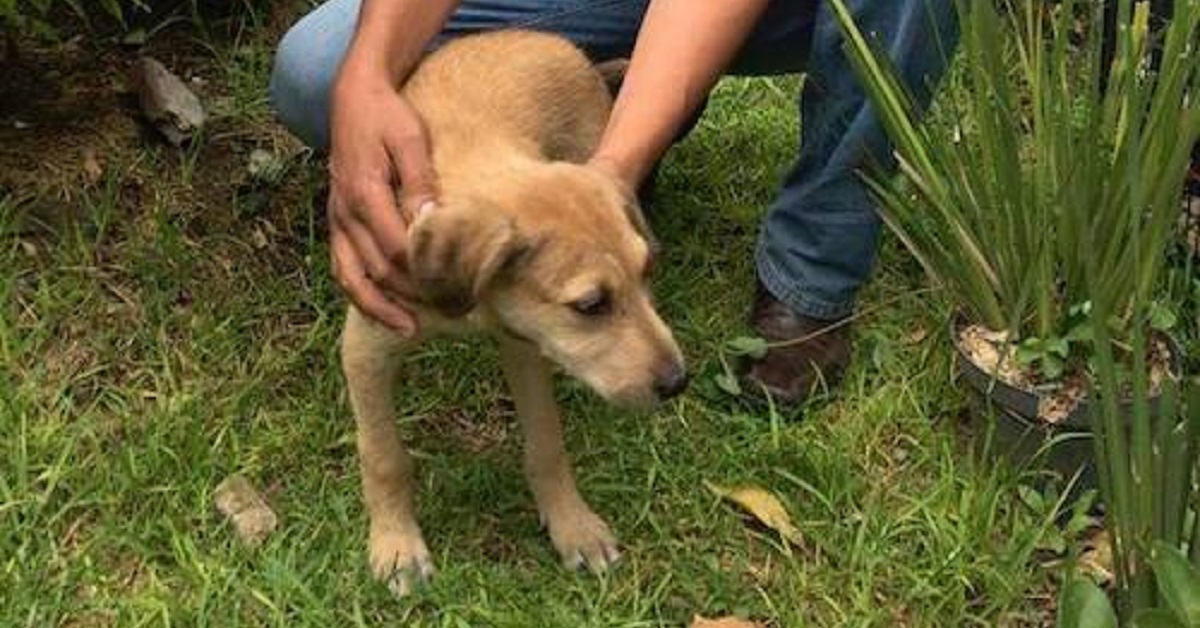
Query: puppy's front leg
[580, 536]
[398, 554]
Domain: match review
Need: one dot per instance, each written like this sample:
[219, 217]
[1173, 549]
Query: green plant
[1146, 457]
[1083, 604]
[1046, 212]
[1146, 445]
[1057, 163]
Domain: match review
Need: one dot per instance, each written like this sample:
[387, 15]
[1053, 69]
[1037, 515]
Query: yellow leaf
[763, 505]
[724, 622]
[916, 336]
[1097, 557]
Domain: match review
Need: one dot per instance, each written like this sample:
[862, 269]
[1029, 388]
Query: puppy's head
[559, 257]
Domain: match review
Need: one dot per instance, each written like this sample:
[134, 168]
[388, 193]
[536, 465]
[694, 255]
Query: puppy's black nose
[672, 382]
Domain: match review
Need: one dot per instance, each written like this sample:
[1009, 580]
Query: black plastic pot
[1064, 448]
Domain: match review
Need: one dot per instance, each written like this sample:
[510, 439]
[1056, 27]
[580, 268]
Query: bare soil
[69, 121]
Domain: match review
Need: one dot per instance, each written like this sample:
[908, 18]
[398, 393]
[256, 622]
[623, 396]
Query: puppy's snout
[671, 381]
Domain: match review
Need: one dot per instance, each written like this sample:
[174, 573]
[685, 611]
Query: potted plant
[1147, 464]
[1059, 166]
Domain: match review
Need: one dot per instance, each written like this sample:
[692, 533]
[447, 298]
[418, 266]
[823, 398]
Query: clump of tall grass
[1054, 198]
[1060, 162]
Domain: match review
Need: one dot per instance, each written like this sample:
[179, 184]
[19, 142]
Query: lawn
[168, 319]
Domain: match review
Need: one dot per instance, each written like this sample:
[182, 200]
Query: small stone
[167, 102]
[20, 125]
[241, 503]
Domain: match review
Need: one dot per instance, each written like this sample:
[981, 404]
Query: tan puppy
[548, 255]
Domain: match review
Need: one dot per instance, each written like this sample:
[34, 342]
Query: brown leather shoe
[791, 372]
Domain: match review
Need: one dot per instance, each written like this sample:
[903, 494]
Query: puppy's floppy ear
[457, 251]
[631, 206]
[633, 211]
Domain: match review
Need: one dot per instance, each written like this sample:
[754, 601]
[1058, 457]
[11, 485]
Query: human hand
[378, 144]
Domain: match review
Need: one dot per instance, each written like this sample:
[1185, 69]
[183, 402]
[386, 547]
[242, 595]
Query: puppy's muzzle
[671, 381]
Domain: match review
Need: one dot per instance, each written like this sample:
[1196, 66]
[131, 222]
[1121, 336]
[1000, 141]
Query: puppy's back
[527, 87]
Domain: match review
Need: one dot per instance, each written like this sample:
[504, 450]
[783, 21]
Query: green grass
[183, 327]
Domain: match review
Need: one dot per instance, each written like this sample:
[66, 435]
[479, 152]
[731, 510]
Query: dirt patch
[70, 124]
[128, 231]
[63, 103]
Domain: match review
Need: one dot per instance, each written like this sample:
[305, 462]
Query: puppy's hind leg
[398, 554]
[580, 536]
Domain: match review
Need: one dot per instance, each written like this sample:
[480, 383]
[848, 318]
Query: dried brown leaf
[699, 621]
[763, 505]
[92, 170]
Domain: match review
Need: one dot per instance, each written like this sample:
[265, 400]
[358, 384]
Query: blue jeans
[817, 243]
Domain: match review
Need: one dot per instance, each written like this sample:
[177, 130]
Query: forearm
[682, 49]
[392, 35]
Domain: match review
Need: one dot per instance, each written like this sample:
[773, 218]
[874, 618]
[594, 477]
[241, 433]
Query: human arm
[378, 142]
[681, 50]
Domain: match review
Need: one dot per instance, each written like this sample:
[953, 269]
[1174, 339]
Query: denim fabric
[818, 242]
[310, 53]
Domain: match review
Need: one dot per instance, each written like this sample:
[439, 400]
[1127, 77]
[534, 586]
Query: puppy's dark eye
[597, 303]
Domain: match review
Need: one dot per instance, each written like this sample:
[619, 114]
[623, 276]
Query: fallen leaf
[1096, 559]
[699, 621]
[916, 336]
[259, 238]
[763, 505]
[92, 170]
[752, 347]
[242, 504]
[728, 383]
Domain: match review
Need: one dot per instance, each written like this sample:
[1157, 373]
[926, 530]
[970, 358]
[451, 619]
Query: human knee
[301, 80]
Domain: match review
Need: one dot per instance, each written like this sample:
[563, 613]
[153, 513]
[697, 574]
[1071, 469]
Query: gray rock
[167, 102]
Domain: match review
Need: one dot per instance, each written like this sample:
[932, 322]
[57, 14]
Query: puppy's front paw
[399, 559]
[582, 538]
